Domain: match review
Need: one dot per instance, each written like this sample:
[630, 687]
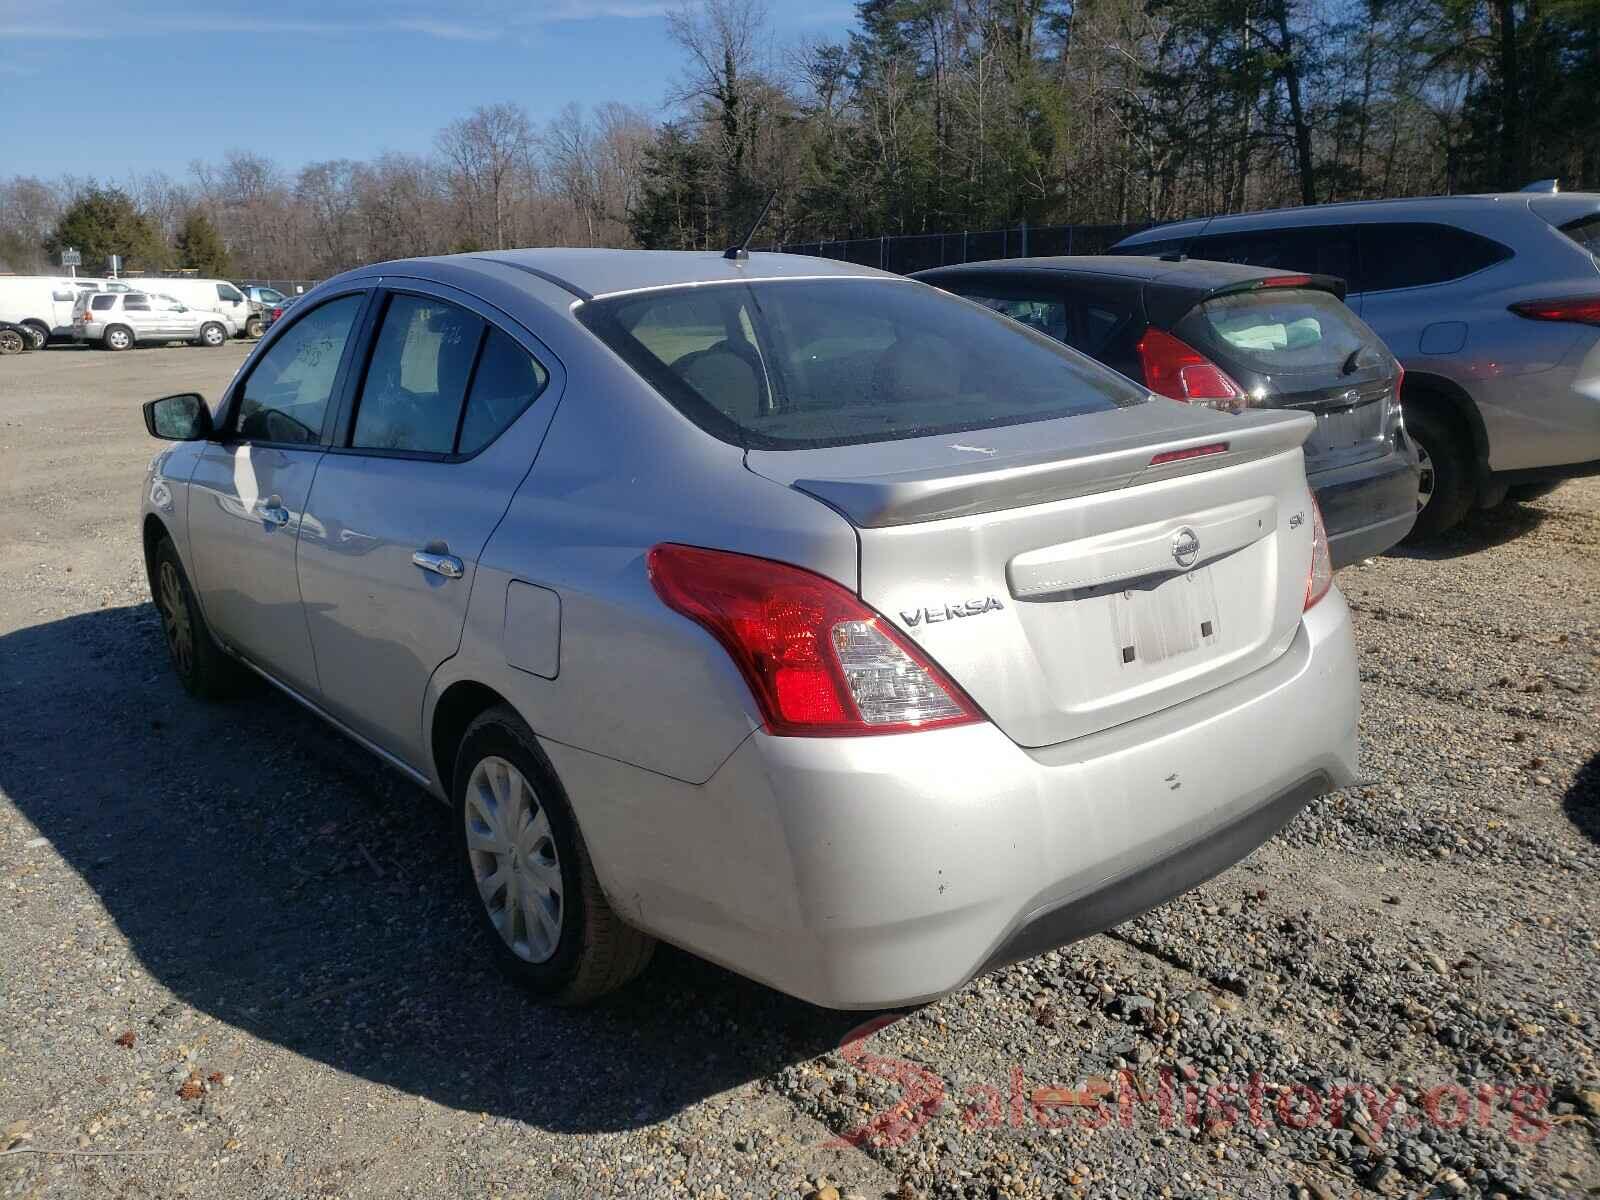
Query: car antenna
[741, 250]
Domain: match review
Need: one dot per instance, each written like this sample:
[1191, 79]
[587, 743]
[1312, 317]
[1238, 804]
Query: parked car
[119, 320]
[216, 295]
[41, 303]
[14, 339]
[1233, 338]
[1491, 303]
[262, 301]
[275, 314]
[811, 618]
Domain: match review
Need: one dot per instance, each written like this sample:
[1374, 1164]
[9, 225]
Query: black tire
[213, 334]
[12, 342]
[205, 671]
[254, 328]
[39, 334]
[1523, 492]
[1446, 454]
[117, 337]
[596, 952]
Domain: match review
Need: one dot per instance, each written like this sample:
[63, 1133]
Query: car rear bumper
[880, 871]
[1367, 507]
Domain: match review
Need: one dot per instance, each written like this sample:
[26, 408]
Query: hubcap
[1425, 478]
[118, 338]
[175, 619]
[514, 859]
[213, 335]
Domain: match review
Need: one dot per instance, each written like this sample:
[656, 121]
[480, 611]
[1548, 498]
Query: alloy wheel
[1425, 476]
[213, 335]
[175, 620]
[119, 339]
[514, 859]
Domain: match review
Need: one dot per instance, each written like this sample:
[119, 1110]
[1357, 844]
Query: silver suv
[1492, 305]
[828, 625]
[120, 320]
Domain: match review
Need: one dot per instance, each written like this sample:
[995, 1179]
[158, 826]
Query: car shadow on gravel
[1481, 529]
[1582, 801]
[274, 876]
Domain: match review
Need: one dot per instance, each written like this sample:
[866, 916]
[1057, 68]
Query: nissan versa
[830, 626]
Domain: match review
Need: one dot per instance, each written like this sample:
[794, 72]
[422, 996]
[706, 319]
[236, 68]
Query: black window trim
[341, 382]
[384, 291]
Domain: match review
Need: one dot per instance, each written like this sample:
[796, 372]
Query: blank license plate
[1176, 617]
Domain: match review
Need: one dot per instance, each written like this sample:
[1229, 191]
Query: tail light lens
[819, 662]
[1174, 368]
[1585, 310]
[1320, 578]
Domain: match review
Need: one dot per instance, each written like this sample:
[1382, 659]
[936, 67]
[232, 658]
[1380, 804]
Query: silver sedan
[832, 627]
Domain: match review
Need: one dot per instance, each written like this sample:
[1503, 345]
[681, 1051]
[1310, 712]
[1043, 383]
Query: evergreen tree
[105, 221]
[200, 247]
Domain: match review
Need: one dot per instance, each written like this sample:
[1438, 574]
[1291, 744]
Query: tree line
[927, 116]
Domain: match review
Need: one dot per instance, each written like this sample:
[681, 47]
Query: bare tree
[485, 153]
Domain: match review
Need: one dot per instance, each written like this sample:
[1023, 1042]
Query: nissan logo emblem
[1185, 548]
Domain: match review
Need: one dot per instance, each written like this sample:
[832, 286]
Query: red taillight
[819, 662]
[1320, 577]
[1585, 310]
[277, 313]
[1174, 368]
[1285, 281]
[1170, 456]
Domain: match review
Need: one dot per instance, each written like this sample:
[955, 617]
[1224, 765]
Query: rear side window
[102, 302]
[1083, 325]
[505, 382]
[1281, 331]
[785, 364]
[417, 381]
[1317, 250]
[1415, 255]
[1585, 231]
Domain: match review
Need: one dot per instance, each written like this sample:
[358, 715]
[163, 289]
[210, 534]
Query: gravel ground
[232, 962]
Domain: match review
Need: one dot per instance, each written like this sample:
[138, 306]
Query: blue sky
[113, 88]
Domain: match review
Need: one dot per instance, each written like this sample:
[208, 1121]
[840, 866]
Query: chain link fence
[906, 253]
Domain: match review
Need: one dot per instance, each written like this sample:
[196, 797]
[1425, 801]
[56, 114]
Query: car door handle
[447, 565]
[275, 514]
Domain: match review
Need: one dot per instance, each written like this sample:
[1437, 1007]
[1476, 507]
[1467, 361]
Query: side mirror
[180, 418]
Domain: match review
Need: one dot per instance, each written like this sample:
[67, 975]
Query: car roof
[589, 273]
[1202, 274]
[1410, 208]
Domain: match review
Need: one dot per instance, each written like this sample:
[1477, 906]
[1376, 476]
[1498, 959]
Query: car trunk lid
[1075, 574]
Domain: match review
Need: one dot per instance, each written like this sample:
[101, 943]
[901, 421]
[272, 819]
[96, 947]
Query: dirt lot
[232, 964]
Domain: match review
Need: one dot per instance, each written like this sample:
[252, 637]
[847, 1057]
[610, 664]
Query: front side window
[785, 364]
[417, 381]
[286, 396]
[226, 291]
[1415, 255]
[134, 302]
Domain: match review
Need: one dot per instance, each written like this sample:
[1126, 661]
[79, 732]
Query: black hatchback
[1234, 337]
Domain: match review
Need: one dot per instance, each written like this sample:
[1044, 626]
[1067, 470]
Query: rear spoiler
[960, 487]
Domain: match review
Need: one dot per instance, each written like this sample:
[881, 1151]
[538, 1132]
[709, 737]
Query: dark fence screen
[906, 253]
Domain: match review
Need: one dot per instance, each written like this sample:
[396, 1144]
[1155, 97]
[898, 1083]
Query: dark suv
[1234, 337]
[1491, 304]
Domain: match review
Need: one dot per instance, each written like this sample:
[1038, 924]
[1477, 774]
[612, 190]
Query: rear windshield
[1586, 232]
[788, 364]
[1283, 330]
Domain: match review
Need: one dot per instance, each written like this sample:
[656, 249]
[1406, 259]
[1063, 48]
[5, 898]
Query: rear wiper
[1352, 362]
